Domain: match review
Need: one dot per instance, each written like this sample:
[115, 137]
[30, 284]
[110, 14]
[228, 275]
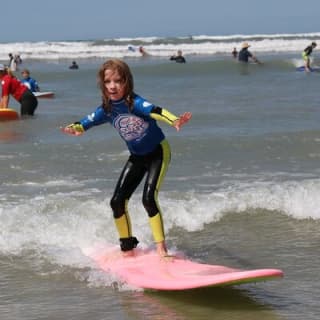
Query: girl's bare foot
[129, 253]
[163, 252]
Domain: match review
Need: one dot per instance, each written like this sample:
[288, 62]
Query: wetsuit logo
[131, 127]
[146, 104]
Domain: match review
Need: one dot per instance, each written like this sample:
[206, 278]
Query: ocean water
[242, 189]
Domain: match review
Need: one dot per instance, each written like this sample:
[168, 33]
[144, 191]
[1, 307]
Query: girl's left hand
[184, 118]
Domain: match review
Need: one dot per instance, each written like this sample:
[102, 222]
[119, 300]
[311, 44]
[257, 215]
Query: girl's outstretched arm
[163, 114]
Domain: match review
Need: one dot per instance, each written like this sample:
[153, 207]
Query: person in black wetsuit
[245, 54]
[74, 66]
[178, 58]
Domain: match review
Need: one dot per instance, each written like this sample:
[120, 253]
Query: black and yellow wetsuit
[149, 156]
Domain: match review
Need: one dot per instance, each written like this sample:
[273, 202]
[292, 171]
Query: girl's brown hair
[126, 76]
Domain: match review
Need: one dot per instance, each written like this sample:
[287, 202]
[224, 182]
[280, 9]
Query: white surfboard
[44, 94]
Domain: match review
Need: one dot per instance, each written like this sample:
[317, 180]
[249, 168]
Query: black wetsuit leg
[155, 164]
[150, 192]
[28, 103]
[131, 176]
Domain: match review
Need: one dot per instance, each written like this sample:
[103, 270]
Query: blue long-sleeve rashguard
[136, 127]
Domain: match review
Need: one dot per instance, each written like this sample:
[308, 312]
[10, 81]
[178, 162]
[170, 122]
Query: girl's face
[114, 85]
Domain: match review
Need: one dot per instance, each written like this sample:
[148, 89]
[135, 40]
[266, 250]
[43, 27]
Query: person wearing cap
[245, 54]
[12, 86]
[31, 83]
[306, 56]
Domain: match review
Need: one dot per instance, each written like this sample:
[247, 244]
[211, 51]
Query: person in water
[31, 83]
[306, 56]
[135, 119]
[245, 54]
[143, 51]
[234, 52]
[74, 66]
[12, 86]
[178, 57]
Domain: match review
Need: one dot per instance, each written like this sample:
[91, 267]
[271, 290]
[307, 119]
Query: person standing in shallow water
[12, 86]
[234, 52]
[74, 66]
[244, 54]
[31, 83]
[306, 56]
[178, 57]
[135, 118]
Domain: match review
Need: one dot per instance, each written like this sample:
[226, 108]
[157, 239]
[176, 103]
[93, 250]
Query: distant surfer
[178, 57]
[12, 62]
[143, 51]
[74, 66]
[131, 48]
[234, 52]
[306, 56]
[140, 49]
[12, 86]
[245, 54]
[136, 121]
[31, 83]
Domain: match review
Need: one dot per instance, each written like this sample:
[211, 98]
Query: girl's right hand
[75, 129]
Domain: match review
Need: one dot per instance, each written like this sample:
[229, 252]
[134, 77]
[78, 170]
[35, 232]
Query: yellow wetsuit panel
[156, 222]
[165, 116]
[123, 224]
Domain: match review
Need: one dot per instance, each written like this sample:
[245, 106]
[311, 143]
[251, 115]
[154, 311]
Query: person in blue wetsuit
[136, 121]
[31, 83]
[245, 54]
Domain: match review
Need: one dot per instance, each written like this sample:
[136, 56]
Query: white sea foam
[158, 47]
[62, 219]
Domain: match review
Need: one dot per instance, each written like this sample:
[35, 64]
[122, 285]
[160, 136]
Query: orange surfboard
[7, 114]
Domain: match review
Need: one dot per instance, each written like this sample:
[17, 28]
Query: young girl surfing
[135, 120]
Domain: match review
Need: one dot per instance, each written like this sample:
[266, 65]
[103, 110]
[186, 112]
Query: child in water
[135, 119]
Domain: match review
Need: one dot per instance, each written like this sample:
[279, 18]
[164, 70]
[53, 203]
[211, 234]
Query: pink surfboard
[146, 270]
